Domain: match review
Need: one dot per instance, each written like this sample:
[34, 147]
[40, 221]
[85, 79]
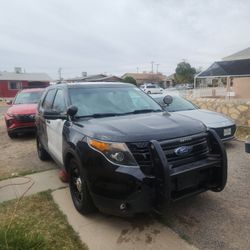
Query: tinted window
[151, 87]
[47, 103]
[59, 103]
[117, 100]
[28, 97]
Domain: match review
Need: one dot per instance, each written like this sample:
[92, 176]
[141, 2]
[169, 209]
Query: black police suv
[123, 153]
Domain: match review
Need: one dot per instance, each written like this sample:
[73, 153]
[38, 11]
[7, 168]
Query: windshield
[28, 97]
[111, 101]
[178, 104]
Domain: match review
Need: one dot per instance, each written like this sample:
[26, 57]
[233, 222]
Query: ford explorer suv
[20, 117]
[122, 152]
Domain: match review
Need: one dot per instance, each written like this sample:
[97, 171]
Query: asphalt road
[218, 220]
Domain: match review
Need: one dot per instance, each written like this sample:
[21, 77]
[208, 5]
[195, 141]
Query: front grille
[220, 131]
[199, 150]
[25, 118]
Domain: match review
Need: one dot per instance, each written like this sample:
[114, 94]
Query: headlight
[117, 153]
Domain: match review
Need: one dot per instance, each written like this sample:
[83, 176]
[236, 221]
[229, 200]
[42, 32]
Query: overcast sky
[117, 36]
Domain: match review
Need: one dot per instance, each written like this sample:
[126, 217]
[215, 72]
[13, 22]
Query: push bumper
[168, 184]
[190, 179]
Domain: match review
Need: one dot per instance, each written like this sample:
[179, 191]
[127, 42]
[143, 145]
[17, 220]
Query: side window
[59, 102]
[49, 98]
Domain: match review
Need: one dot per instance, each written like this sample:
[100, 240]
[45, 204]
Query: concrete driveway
[102, 232]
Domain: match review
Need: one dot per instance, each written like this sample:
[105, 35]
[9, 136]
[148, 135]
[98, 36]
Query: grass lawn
[37, 224]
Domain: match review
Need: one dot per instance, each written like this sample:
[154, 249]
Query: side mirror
[53, 115]
[168, 99]
[9, 102]
[72, 110]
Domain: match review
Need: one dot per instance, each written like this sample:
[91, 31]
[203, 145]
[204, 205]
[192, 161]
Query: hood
[209, 118]
[22, 109]
[142, 127]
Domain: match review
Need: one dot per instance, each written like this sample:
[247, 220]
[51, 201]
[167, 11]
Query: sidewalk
[102, 232]
[37, 182]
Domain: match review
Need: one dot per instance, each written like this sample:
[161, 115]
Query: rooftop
[243, 54]
[14, 76]
[228, 68]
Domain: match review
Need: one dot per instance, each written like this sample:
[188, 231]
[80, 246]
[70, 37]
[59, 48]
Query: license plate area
[187, 181]
[227, 131]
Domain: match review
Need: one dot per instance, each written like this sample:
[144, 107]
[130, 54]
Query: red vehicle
[20, 117]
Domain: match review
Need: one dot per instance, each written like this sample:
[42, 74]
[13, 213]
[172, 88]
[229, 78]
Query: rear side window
[59, 102]
[48, 101]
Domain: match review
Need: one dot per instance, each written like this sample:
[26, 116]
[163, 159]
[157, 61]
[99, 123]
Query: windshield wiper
[98, 115]
[142, 111]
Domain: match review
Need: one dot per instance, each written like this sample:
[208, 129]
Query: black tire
[42, 153]
[79, 190]
[149, 92]
[12, 135]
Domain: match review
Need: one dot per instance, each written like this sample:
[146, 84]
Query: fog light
[119, 156]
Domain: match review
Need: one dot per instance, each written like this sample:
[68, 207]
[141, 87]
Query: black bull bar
[176, 183]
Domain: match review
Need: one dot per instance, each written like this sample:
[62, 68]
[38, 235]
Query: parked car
[150, 88]
[222, 124]
[20, 117]
[123, 153]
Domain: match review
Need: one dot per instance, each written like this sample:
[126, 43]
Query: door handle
[48, 121]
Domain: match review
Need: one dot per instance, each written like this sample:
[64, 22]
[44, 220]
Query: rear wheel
[42, 153]
[12, 135]
[79, 189]
[149, 92]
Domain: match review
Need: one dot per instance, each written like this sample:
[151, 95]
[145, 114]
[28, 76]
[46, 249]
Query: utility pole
[152, 67]
[60, 73]
[157, 66]
[137, 70]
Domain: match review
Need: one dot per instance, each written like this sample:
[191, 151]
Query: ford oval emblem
[183, 150]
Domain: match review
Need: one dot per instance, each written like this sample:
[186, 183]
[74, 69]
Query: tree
[184, 73]
[129, 79]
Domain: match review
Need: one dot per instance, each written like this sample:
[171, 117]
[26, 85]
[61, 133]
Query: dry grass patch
[37, 224]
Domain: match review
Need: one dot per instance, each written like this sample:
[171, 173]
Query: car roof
[91, 84]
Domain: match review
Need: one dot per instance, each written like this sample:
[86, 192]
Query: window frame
[64, 101]
[18, 84]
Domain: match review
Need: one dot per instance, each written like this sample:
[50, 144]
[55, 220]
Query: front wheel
[12, 135]
[79, 189]
[149, 92]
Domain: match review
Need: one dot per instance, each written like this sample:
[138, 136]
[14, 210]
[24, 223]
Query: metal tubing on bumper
[164, 173]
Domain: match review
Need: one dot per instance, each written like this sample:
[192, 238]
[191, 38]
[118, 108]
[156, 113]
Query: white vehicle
[222, 124]
[151, 88]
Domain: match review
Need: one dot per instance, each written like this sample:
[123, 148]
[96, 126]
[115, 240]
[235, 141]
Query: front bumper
[14, 125]
[146, 192]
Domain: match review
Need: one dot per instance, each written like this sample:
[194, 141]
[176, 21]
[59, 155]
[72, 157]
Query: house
[94, 78]
[232, 74]
[146, 77]
[12, 82]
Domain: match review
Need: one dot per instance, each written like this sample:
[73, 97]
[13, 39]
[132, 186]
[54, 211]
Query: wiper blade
[142, 111]
[98, 115]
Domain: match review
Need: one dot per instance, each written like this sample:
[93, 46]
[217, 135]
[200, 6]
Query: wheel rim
[76, 184]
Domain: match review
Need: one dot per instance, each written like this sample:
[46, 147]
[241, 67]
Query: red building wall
[5, 92]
